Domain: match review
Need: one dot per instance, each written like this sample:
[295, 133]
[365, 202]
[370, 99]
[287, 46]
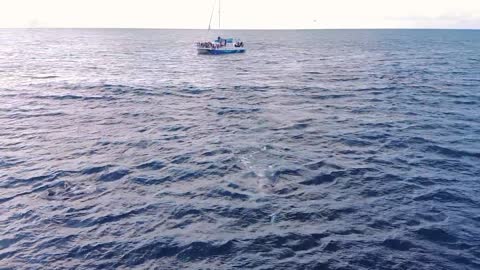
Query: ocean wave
[330, 157]
[454, 153]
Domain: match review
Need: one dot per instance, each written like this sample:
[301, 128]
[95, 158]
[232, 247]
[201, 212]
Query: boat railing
[211, 45]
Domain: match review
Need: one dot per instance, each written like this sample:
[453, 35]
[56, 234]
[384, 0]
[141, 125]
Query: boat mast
[211, 15]
[219, 14]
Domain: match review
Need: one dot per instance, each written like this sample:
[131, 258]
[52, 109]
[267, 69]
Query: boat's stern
[203, 50]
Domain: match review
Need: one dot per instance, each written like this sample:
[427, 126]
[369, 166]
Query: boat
[220, 45]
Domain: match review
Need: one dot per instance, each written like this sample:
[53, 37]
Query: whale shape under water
[260, 170]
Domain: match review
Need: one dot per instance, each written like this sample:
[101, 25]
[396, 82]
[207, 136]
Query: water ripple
[342, 150]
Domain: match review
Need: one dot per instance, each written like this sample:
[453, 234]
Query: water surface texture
[314, 150]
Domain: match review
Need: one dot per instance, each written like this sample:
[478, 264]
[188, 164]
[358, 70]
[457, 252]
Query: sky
[241, 14]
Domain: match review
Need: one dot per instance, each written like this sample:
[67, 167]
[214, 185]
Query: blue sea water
[333, 149]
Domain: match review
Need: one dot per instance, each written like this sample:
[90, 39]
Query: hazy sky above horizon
[243, 14]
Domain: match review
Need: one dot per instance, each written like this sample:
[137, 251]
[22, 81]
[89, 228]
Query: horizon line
[236, 29]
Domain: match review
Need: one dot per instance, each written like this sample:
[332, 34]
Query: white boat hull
[221, 50]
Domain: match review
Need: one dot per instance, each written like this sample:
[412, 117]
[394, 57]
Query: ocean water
[334, 149]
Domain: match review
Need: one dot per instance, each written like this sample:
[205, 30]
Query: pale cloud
[454, 21]
[242, 14]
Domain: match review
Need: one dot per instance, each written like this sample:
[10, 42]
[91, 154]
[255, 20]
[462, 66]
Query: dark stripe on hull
[216, 52]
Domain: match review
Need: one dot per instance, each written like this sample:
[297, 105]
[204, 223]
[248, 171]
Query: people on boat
[219, 43]
[208, 45]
